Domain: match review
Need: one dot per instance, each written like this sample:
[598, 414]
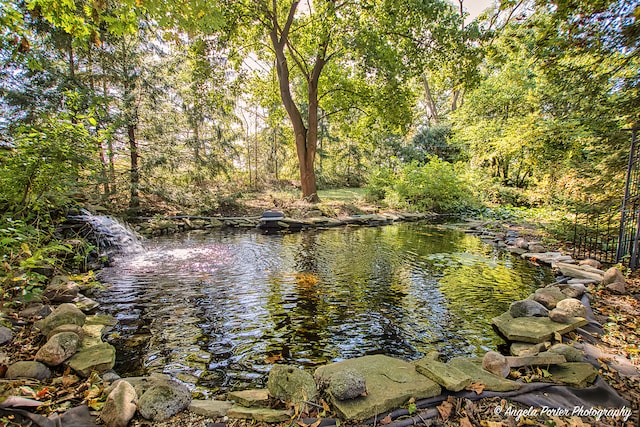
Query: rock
[85, 304]
[58, 348]
[533, 329]
[579, 272]
[390, 384]
[573, 307]
[447, 376]
[574, 290]
[120, 406]
[527, 308]
[250, 398]
[76, 329]
[99, 358]
[347, 384]
[164, 401]
[591, 262]
[614, 281]
[527, 349]
[573, 374]
[544, 358]
[521, 243]
[6, 335]
[94, 328]
[536, 247]
[570, 353]
[110, 376]
[559, 315]
[37, 310]
[64, 314]
[495, 363]
[473, 368]
[549, 296]
[210, 408]
[264, 415]
[28, 369]
[290, 384]
[61, 289]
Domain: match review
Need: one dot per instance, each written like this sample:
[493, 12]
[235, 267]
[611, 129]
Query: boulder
[6, 335]
[533, 329]
[536, 247]
[495, 363]
[574, 290]
[36, 310]
[527, 308]
[570, 353]
[99, 358]
[390, 384]
[347, 384]
[120, 406]
[210, 408]
[614, 281]
[58, 348]
[61, 289]
[76, 329]
[85, 304]
[28, 369]
[64, 314]
[473, 368]
[573, 307]
[549, 296]
[290, 384]
[164, 401]
[559, 315]
[250, 398]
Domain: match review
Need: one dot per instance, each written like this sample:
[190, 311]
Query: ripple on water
[218, 309]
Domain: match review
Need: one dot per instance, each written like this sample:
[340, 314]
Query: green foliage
[433, 186]
[51, 160]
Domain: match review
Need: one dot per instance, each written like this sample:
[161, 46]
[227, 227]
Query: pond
[216, 310]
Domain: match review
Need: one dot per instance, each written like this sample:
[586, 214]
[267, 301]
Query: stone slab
[573, 374]
[447, 376]
[250, 398]
[390, 384]
[473, 368]
[259, 414]
[534, 329]
[527, 348]
[210, 408]
[544, 358]
[579, 272]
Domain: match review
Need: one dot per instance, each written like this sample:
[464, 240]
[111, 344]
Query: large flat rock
[534, 329]
[573, 374]
[473, 368]
[580, 271]
[390, 384]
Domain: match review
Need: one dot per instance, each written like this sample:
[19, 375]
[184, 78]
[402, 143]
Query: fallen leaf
[386, 420]
[325, 405]
[273, 358]
[40, 394]
[477, 387]
[445, 410]
[465, 422]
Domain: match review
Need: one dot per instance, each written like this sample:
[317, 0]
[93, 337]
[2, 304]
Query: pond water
[216, 310]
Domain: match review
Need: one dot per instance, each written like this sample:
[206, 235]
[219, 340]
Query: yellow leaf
[477, 387]
[25, 249]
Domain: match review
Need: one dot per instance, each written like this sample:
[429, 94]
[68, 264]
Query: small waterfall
[110, 236]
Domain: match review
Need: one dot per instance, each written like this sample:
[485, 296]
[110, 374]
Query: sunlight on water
[216, 310]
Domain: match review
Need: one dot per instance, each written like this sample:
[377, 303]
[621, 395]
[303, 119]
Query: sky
[475, 7]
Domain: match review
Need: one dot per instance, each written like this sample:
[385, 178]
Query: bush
[434, 186]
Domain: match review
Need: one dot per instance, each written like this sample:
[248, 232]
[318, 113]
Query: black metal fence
[613, 236]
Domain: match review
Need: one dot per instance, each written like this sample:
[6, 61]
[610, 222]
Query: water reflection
[215, 310]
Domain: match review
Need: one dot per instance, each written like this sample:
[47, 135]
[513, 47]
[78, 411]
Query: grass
[345, 195]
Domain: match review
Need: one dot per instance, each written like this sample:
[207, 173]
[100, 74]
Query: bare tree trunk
[134, 201]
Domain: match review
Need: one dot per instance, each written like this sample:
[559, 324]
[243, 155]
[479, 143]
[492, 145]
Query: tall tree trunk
[306, 139]
[432, 111]
[134, 201]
